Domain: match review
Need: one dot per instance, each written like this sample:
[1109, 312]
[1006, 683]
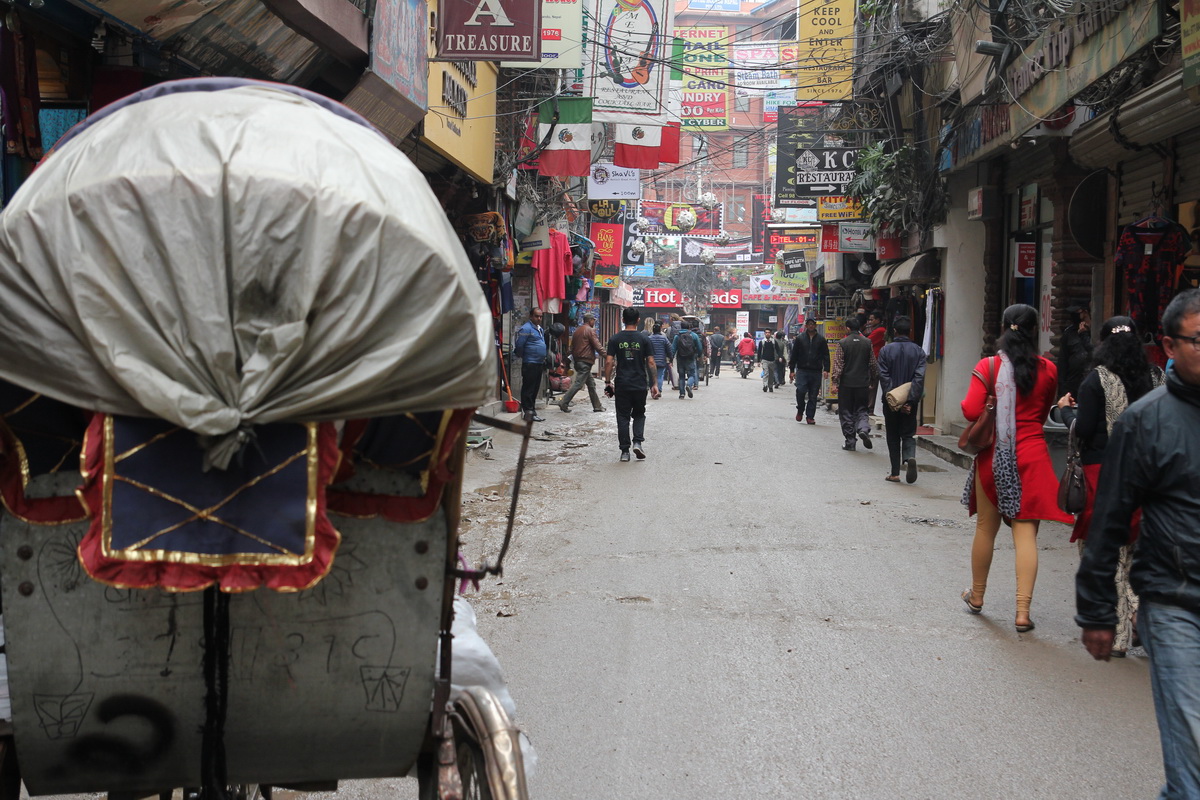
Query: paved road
[753, 612]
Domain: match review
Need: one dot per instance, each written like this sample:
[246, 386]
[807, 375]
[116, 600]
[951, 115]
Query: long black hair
[1018, 340]
[1121, 353]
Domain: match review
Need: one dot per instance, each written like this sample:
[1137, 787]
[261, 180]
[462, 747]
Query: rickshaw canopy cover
[232, 253]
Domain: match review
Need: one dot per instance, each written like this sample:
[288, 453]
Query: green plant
[897, 191]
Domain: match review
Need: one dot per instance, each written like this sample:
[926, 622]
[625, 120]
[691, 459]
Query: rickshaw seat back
[334, 682]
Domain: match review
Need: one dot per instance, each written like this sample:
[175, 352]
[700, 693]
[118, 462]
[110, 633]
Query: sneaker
[910, 467]
[566, 409]
[866, 440]
[639, 450]
[764, 387]
[624, 455]
[811, 421]
[689, 391]
[799, 417]
[849, 445]
[598, 410]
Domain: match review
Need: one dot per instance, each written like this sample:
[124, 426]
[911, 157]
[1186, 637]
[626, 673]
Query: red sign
[887, 248]
[780, 240]
[489, 30]
[651, 297]
[829, 239]
[1026, 260]
[731, 298]
[608, 238]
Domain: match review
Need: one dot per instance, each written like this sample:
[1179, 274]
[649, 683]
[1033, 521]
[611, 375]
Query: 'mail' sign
[489, 30]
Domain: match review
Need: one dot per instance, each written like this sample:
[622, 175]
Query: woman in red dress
[1013, 480]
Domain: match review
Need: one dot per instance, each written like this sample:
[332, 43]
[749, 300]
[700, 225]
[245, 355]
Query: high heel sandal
[971, 608]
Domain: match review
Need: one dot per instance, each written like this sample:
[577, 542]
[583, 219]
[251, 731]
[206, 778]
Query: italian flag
[569, 151]
[638, 146]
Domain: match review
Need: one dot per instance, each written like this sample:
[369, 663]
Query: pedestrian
[716, 345]
[809, 365]
[853, 368]
[766, 357]
[686, 350]
[530, 346]
[1075, 350]
[1012, 480]
[876, 331]
[585, 348]
[1153, 462]
[901, 362]
[1121, 376]
[660, 348]
[781, 358]
[631, 359]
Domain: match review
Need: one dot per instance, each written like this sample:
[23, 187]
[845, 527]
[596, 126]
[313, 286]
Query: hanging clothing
[1151, 261]
[551, 268]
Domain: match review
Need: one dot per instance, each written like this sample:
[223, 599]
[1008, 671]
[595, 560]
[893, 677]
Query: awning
[923, 268]
[880, 279]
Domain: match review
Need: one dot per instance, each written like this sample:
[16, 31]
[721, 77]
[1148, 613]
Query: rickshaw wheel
[487, 750]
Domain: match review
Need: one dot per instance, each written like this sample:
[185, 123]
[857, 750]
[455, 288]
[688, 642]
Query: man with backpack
[686, 350]
[767, 350]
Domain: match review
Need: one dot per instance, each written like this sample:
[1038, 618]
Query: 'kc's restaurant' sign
[489, 30]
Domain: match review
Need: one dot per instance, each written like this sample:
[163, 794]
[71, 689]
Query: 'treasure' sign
[489, 30]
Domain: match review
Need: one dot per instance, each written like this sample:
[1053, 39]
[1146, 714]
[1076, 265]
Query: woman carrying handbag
[1012, 479]
[1122, 374]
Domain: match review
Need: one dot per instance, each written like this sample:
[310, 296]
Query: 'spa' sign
[489, 30]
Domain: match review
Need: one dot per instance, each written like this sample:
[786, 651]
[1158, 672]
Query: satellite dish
[1087, 213]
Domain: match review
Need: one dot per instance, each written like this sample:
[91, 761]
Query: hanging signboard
[608, 182]
[834, 209]
[825, 31]
[829, 239]
[691, 250]
[562, 37]
[824, 171]
[627, 58]
[855, 237]
[796, 132]
[663, 219]
[774, 100]
[608, 239]
[755, 67]
[666, 297]
[489, 30]
[704, 96]
[790, 239]
[761, 209]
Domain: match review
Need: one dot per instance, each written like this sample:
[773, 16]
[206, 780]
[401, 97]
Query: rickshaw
[240, 311]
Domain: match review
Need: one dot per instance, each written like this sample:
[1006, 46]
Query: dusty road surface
[751, 612]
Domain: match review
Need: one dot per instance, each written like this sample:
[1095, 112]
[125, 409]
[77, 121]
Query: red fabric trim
[404, 509]
[191, 577]
[42, 510]
[632, 156]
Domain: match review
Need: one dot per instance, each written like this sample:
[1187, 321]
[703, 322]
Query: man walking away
[1152, 463]
[810, 363]
[530, 346]
[716, 345]
[877, 333]
[781, 358]
[766, 356]
[629, 356]
[901, 362]
[585, 347]
[660, 348]
[853, 368]
[685, 349]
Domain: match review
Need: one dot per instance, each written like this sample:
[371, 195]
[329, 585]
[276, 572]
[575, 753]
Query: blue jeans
[685, 374]
[1171, 636]
[662, 373]
[808, 382]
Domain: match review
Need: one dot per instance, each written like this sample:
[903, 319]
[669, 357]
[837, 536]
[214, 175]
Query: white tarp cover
[227, 258]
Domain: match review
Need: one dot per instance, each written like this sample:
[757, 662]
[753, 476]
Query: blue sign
[638, 271]
[715, 5]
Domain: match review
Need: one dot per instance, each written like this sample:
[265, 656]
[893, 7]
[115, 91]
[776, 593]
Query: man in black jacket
[810, 363]
[767, 355]
[854, 368]
[900, 362]
[1153, 463]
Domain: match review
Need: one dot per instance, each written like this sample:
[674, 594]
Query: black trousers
[852, 411]
[531, 383]
[631, 405]
[900, 429]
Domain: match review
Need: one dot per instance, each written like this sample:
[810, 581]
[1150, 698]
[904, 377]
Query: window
[697, 146]
[742, 104]
[787, 28]
[741, 152]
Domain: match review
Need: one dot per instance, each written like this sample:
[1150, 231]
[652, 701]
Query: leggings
[987, 525]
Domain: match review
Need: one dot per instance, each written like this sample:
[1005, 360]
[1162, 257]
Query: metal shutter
[1140, 178]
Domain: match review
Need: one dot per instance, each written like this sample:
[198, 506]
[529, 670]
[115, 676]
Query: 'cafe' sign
[651, 297]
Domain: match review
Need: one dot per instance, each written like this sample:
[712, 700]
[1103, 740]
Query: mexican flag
[638, 146]
[569, 151]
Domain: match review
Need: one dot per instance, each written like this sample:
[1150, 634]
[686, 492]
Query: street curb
[945, 448]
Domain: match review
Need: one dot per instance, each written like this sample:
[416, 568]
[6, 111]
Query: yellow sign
[838, 209]
[461, 122]
[704, 95]
[825, 68]
[607, 281]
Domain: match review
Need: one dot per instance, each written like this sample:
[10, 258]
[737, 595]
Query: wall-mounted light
[986, 48]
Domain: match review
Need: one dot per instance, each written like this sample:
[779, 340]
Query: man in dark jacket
[1153, 463]
[767, 355]
[810, 363]
[901, 362]
[854, 368]
[716, 349]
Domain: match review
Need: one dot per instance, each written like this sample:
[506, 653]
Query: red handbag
[981, 434]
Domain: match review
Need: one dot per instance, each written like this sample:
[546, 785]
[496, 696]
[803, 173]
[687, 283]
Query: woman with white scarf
[1013, 480]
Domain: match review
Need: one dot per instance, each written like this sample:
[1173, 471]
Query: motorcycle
[745, 364]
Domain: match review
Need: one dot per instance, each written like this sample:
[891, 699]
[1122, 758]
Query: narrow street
[753, 612]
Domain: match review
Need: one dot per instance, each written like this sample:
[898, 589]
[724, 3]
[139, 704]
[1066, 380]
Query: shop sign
[823, 171]
[489, 30]
[403, 67]
[730, 298]
[837, 208]
[792, 238]
[608, 239]
[704, 94]
[715, 5]
[741, 322]
[796, 132]
[627, 59]
[826, 36]
[623, 296]
[538, 239]
[756, 66]
[608, 182]
[1028, 213]
[665, 297]
[774, 100]
[606, 210]
[830, 242]
[562, 37]
[771, 298]
[855, 237]
[637, 271]
[887, 248]
[663, 216]
[462, 104]
[1026, 259]
[759, 232]
[691, 251]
